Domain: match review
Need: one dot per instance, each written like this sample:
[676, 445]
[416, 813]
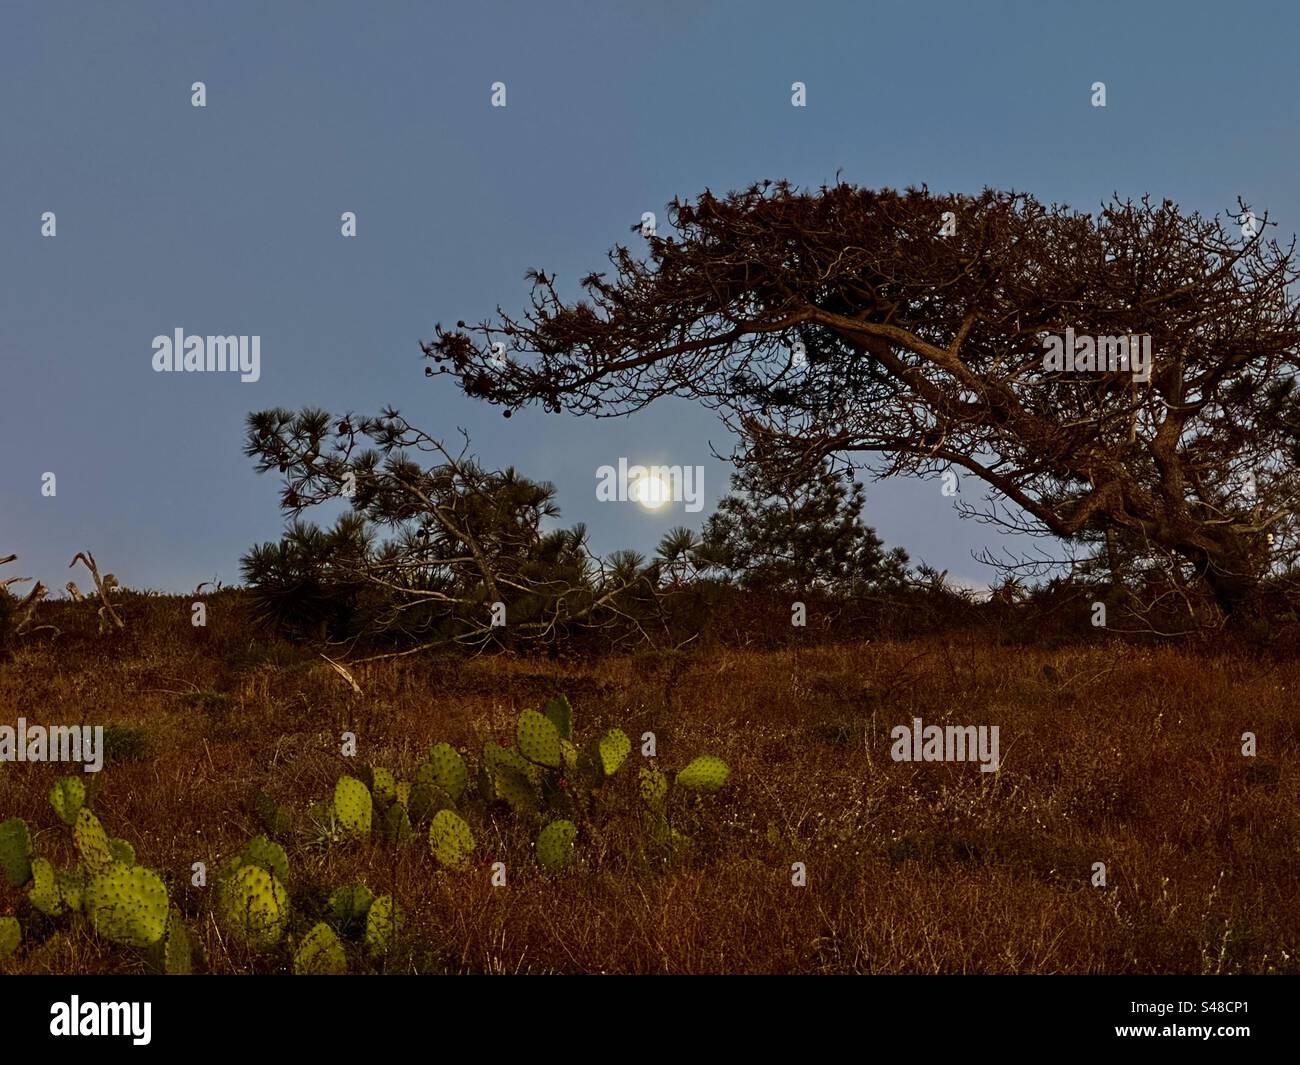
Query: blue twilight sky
[226, 219]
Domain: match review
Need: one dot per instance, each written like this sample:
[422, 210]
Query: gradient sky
[225, 220]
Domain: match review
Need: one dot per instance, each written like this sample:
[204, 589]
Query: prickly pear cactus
[254, 907]
[320, 953]
[383, 922]
[515, 788]
[403, 792]
[43, 892]
[67, 797]
[495, 759]
[121, 851]
[555, 845]
[11, 936]
[172, 955]
[178, 955]
[653, 786]
[92, 842]
[348, 907]
[612, 748]
[705, 773]
[538, 739]
[226, 872]
[451, 840]
[276, 819]
[72, 887]
[268, 854]
[559, 713]
[396, 828]
[449, 771]
[127, 904]
[353, 805]
[426, 800]
[558, 799]
[495, 756]
[383, 786]
[16, 851]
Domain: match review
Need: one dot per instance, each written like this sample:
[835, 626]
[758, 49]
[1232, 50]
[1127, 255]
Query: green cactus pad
[449, 771]
[451, 840]
[653, 786]
[173, 954]
[427, 800]
[569, 756]
[255, 907]
[403, 793]
[72, 887]
[320, 953]
[267, 854]
[354, 806]
[560, 714]
[612, 748]
[276, 819]
[92, 842]
[383, 786]
[226, 872]
[348, 907]
[43, 893]
[11, 936]
[705, 773]
[664, 835]
[16, 851]
[555, 845]
[122, 851]
[516, 789]
[383, 923]
[67, 797]
[538, 739]
[397, 825]
[127, 904]
[495, 756]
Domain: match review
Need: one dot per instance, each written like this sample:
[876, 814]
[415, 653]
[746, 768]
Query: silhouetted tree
[906, 330]
[459, 539]
[782, 532]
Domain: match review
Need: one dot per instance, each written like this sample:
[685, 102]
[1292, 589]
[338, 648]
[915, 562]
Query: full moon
[651, 491]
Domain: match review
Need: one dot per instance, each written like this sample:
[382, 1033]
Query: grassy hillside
[1131, 757]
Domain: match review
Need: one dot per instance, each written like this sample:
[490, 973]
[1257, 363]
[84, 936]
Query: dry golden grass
[1134, 760]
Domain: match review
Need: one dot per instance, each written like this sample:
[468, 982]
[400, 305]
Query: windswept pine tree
[907, 331]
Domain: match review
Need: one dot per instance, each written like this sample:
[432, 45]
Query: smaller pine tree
[781, 532]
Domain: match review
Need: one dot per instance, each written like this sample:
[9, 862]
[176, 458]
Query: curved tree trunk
[1232, 576]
